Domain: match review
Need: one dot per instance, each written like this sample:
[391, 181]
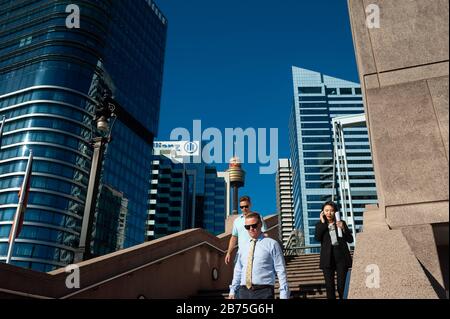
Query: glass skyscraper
[184, 196]
[318, 99]
[49, 77]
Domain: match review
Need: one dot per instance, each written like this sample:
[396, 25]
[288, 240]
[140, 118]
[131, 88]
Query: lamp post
[104, 122]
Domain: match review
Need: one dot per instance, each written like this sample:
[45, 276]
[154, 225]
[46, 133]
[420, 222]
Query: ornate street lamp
[103, 122]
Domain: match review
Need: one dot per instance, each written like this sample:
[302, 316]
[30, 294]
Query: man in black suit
[334, 253]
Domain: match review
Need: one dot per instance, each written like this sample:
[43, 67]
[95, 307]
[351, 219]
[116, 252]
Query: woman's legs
[341, 271]
[328, 274]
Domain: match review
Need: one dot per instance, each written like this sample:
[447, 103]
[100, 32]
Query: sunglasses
[254, 226]
[242, 207]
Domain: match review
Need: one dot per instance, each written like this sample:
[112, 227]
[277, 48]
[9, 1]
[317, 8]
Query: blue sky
[228, 64]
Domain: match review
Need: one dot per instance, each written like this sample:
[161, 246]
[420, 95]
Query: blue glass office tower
[318, 99]
[210, 198]
[49, 75]
[184, 196]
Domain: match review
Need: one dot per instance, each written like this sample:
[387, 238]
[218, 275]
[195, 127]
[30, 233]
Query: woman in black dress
[334, 253]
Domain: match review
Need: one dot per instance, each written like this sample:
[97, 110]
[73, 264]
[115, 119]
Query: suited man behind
[334, 253]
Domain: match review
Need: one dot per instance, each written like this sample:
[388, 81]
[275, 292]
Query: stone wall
[404, 72]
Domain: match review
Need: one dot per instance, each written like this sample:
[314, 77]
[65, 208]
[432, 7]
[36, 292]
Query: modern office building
[210, 195]
[166, 197]
[50, 76]
[228, 204]
[184, 196]
[285, 201]
[318, 99]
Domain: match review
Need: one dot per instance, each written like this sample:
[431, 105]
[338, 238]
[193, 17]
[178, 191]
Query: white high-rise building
[319, 99]
[285, 202]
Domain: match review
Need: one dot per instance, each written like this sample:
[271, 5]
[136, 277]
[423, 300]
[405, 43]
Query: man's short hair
[245, 199]
[254, 215]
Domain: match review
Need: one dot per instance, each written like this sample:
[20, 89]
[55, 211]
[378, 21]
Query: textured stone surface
[411, 33]
[403, 67]
[364, 54]
[439, 94]
[401, 276]
[422, 243]
[371, 207]
[417, 214]
[371, 81]
[229, 223]
[414, 74]
[374, 219]
[411, 158]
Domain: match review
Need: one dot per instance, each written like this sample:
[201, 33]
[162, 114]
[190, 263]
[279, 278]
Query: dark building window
[310, 90]
[346, 91]
[331, 91]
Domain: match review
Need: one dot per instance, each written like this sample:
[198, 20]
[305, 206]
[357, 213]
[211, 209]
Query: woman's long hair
[335, 207]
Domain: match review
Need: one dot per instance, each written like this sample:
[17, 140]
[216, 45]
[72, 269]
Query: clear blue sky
[228, 64]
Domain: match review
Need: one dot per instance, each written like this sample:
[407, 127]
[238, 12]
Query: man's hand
[227, 258]
[230, 296]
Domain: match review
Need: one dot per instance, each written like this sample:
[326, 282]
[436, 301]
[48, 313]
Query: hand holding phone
[322, 217]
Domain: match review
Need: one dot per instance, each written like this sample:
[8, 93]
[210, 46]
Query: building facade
[318, 99]
[285, 201]
[403, 67]
[50, 75]
[228, 204]
[184, 196]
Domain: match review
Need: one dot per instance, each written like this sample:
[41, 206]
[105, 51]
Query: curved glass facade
[48, 75]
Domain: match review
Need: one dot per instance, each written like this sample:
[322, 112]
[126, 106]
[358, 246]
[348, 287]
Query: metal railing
[301, 250]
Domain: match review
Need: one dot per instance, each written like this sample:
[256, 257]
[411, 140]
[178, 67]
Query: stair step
[304, 269]
[302, 259]
[303, 275]
[305, 280]
[303, 262]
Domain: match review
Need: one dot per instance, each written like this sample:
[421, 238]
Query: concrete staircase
[304, 277]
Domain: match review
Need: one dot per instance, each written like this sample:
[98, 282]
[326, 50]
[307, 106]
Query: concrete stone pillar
[404, 71]
[229, 223]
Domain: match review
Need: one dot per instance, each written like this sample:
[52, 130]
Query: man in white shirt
[258, 261]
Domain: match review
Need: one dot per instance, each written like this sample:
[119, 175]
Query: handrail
[294, 250]
[273, 227]
[149, 264]
[141, 267]
[23, 294]
[123, 273]
[304, 247]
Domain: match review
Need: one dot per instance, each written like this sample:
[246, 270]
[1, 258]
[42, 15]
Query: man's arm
[234, 287]
[231, 244]
[280, 269]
